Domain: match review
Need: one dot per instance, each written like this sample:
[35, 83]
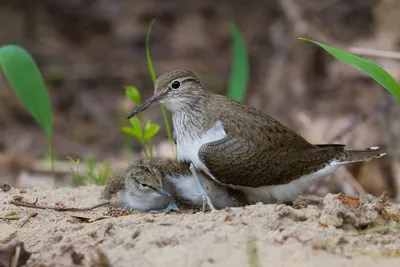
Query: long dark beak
[145, 105]
[163, 192]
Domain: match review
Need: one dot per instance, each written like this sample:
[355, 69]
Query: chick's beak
[163, 192]
[146, 105]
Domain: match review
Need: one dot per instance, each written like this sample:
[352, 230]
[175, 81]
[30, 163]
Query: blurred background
[88, 50]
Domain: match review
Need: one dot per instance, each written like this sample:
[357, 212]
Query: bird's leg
[171, 206]
[204, 194]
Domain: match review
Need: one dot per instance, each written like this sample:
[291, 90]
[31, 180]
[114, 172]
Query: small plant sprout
[92, 176]
[98, 177]
[27, 82]
[144, 136]
[76, 177]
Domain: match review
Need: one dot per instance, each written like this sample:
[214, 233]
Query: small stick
[31, 215]
[31, 205]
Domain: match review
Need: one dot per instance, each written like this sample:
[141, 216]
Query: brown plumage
[251, 149]
[141, 181]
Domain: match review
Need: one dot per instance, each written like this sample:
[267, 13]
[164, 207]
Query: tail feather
[349, 156]
[113, 186]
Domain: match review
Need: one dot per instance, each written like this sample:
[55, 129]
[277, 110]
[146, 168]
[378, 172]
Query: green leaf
[150, 130]
[76, 163]
[135, 132]
[240, 66]
[136, 127]
[133, 94]
[149, 62]
[27, 82]
[135, 123]
[128, 130]
[372, 69]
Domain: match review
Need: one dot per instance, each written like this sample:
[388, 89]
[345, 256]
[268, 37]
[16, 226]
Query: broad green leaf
[372, 69]
[149, 62]
[135, 123]
[128, 130]
[27, 82]
[135, 132]
[240, 66]
[137, 128]
[150, 130]
[133, 94]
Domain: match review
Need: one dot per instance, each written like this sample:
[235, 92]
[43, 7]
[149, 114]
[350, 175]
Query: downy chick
[155, 184]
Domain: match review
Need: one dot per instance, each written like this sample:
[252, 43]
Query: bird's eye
[144, 185]
[175, 84]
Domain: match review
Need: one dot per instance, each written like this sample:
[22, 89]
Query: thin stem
[154, 78]
[50, 144]
[144, 148]
[150, 147]
[379, 228]
[142, 119]
[168, 129]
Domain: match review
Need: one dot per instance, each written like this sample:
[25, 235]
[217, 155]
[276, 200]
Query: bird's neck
[193, 99]
[194, 120]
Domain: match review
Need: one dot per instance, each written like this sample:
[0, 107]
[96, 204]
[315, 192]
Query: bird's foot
[207, 201]
[171, 206]
[206, 198]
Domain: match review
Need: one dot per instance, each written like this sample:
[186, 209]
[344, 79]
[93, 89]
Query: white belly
[188, 145]
[144, 201]
[187, 188]
[284, 192]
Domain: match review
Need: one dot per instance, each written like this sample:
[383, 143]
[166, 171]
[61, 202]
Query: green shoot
[379, 228]
[136, 130]
[27, 82]
[240, 66]
[92, 176]
[77, 178]
[252, 252]
[154, 78]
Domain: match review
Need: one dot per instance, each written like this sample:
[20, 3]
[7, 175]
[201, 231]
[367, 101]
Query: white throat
[189, 142]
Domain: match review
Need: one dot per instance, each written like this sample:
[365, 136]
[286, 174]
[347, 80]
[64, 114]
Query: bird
[159, 184]
[141, 187]
[241, 147]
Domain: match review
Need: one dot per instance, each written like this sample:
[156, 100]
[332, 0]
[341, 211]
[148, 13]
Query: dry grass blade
[379, 228]
[252, 252]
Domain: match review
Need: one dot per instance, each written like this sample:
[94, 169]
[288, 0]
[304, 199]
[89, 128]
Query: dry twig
[32, 205]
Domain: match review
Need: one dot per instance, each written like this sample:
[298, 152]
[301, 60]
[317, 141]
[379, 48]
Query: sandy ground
[314, 232]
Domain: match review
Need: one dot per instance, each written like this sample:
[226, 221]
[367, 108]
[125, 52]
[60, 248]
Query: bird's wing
[236, 161]
[251, 124]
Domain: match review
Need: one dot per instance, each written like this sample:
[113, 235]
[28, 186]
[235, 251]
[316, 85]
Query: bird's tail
[349, 156]
[113, 186]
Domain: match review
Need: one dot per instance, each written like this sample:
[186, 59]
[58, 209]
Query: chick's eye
[175, 84]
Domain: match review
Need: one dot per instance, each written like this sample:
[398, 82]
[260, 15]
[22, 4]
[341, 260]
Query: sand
[313, 232]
